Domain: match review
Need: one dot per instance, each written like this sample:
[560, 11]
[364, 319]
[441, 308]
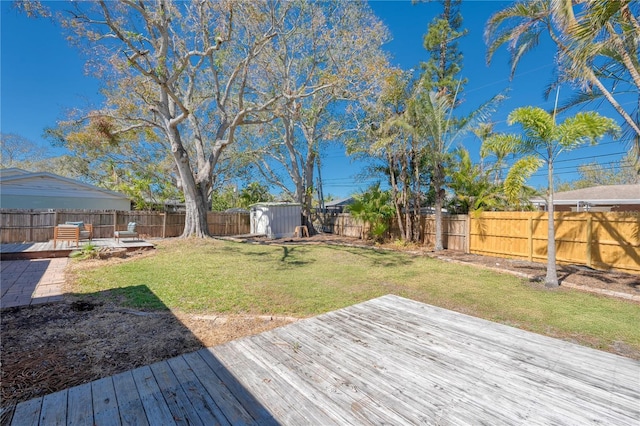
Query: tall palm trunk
[551, 280]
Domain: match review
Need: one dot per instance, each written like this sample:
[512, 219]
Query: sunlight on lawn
[235, 278]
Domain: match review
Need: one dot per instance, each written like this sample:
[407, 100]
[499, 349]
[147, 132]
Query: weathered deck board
[54, 409]
[105, 405]
[202, 402]
[155, 406]
[129, 404]
[230, 408]
[79, 401]
[45, 249]
[226, 378]
[386, 361]
[181, 409]
[28, 413]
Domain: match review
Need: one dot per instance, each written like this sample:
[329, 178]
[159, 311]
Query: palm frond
[585, 127]
[500, 145]
[522, 170]
[536, 122]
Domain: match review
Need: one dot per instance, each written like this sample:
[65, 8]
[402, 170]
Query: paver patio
[30, 282]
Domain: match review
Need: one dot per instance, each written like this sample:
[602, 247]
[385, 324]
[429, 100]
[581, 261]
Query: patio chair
[129, 233]
[72, 231]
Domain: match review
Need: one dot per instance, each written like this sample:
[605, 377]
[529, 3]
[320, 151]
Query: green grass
[215, 276]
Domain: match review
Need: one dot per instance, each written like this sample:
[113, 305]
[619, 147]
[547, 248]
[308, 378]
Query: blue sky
[42, 76]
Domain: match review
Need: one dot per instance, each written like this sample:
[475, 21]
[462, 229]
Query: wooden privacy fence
[35, 226]
[454, 229]
[599, 240]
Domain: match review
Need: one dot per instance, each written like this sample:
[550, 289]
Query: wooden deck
[386, 361]
[62, 249]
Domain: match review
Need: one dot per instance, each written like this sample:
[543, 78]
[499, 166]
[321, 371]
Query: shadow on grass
[293, 256]
[376, 257]
[126, 349]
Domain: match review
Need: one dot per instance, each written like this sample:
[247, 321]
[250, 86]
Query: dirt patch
[52, 347]
[609, 283]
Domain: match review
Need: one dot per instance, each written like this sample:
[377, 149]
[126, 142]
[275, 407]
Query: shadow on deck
[195, 388]
[386, 361]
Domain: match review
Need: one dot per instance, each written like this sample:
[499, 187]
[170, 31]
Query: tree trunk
[551, 280]
[404, 178]
[307, 220]
[438, 218]
[195, 224]
[417, 199]
[397, 202]
[437, 186]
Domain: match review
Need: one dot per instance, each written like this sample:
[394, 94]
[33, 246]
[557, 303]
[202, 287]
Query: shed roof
[603, 195]
[275, 203]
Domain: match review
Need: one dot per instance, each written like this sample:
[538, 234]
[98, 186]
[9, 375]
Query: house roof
[21, 182]
[599, 195]
[339, 202]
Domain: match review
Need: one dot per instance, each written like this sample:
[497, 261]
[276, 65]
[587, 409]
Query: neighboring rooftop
[601, 195]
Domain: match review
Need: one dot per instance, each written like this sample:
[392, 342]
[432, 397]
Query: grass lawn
[223, 277]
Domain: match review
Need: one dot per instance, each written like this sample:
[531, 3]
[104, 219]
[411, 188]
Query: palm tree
[472, 187]
[543, 140]
[435, 124]
[597, 46]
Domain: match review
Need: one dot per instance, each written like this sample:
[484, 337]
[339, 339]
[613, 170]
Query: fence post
[530, 239]
[589, 237]
[115, 222]
[467, 234]
[164, 225]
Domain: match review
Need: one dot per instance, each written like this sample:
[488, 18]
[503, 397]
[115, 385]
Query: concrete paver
[30, 282]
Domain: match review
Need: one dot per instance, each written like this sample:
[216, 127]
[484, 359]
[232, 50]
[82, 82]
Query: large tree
[19, 152]
[389, 138]
[442, 85]
[323, 65]
[542, 141]
[179, 71]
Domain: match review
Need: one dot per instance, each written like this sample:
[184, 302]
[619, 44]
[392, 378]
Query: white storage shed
[275, 220]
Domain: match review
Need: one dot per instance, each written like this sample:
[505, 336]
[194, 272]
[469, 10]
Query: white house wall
[53, 192]
[84, 203]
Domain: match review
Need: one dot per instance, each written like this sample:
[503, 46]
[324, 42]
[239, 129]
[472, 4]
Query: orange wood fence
[601, 240]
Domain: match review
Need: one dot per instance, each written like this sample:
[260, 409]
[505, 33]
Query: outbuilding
[20, 189]
[275, 220]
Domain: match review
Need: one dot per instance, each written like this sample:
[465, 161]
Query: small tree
[472, 187]
[542, 142]
[373, 207]
[254, 193]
